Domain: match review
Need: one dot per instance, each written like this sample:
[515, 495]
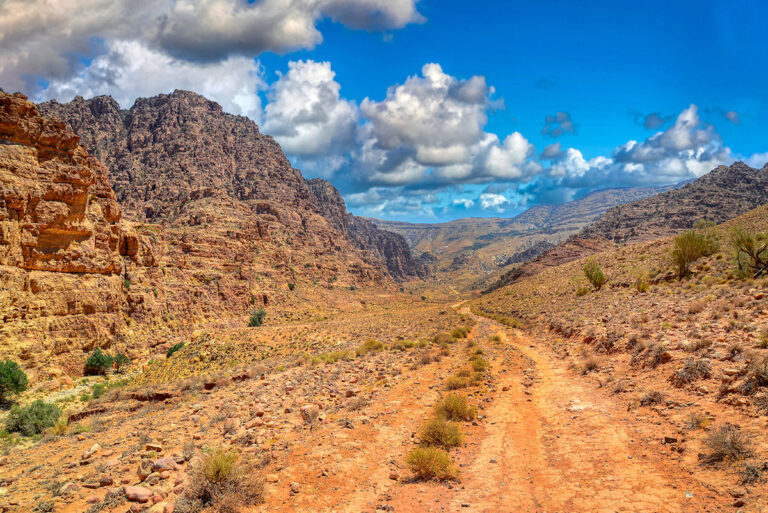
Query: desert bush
[257, 318]
[455, 407]
[642, 283]
[727, 443]
[697, 421]
[590, 364]
[460, 332]
[291, 286]
[13, 380]
[751, 473]
[173, 349]
[221, 482]
[369, 346]
[762, 339]
[97, 363]
[426, 357]
[32, 419]
[692, 370]
[751, 252]
[651, 397]
[479, 364]
[688, 247]
[443, 338]
[697, 306]
[594, 274]
[120, 361]
[582, 291]
[432, 463]
[457, 382]
[440, 432]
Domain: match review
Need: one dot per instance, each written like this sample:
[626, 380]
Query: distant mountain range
[471, 251]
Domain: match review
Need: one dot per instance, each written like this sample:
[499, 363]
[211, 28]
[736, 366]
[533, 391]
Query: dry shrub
[727, 443]
[697, 421]
[590, 364]
[432, 463]
[221, 482]
[697, 306]
[460, 332]
[457, 382]
[652, 397]
[692, 370]
[455, 407]
[440, 432]
[479, 364]
[594, 274]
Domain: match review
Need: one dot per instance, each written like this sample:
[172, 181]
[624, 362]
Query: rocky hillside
[167, 152]
[472, 252]
[722, 194]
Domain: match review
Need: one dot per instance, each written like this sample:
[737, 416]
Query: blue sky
[645, 94]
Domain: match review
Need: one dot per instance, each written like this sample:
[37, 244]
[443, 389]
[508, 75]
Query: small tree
[257, 318]
[594, 274]
[120, 361]
[751, 252]
[13, 380]
[97, 363]
[173, 349]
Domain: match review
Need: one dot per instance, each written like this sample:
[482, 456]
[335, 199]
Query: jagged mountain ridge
[169, 149]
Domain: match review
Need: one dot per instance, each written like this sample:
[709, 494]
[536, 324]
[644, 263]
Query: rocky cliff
[60, 239]
[388, 247]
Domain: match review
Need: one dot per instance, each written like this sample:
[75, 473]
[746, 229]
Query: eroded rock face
[60, 235]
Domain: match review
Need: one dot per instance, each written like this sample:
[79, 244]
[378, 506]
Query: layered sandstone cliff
[60, 239]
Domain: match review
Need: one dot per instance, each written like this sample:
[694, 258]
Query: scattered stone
[137, 494]
[295, 487]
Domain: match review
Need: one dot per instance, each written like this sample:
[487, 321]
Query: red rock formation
[60, 264]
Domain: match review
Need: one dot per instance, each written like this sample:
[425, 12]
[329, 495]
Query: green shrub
[120, 361]
[440, 432]
[594, 274]
[13, 380]
[173, 349]
[455, 407]
[751, 252]
[582, 291]
[443, 338]
[431, 463]
[33, 419]
[291, 286]
[257, 318]
[97, 363]
[688, 247]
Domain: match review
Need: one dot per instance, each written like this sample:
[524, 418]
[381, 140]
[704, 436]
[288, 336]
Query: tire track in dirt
[561, 446]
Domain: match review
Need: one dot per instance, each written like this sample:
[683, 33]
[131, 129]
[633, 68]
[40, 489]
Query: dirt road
[549, 441]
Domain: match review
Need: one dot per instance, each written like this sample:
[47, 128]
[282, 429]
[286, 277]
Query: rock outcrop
[60, 239]
[388, 247]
